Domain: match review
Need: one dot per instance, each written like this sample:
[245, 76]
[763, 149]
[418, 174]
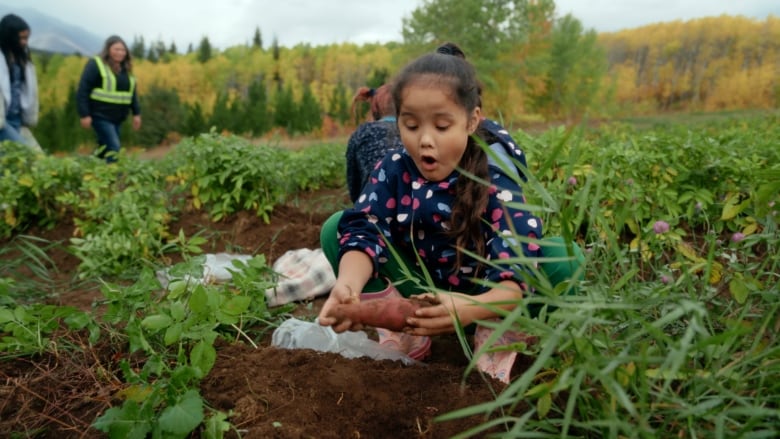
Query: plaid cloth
[303, 274]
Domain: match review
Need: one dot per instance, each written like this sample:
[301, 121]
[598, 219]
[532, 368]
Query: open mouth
[428, 160]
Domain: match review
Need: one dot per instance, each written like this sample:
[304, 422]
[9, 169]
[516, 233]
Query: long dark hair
[126, 64]
[10, 27]
[471, 196]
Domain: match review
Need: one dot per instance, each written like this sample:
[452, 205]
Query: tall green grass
[672, 334]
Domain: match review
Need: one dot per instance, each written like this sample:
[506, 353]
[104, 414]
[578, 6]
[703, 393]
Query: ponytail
[471, 199]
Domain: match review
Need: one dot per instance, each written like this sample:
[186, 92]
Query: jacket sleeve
[90, 79]
[30, 103]
[135, 105]
[367, 224]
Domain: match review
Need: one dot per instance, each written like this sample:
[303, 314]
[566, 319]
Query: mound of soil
[270, 392]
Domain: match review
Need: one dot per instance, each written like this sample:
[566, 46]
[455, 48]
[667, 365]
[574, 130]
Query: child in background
[419, 202]
[371, 140]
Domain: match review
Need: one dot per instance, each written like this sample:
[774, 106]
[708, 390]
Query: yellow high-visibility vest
[107, 91]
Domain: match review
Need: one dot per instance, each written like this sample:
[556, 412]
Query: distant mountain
[53, 35]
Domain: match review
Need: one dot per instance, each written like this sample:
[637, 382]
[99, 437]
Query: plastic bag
[217, 266]
[299, 334]
[215, 269]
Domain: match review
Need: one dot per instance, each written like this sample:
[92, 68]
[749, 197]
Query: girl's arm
[355, 269]
[441, 319]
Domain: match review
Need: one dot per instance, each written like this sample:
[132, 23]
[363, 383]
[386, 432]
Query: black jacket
[90, 79]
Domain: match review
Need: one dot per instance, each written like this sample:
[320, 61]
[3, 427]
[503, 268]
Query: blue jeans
[107, 137]
[10, 131]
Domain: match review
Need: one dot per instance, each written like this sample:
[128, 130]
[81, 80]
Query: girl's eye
[442, 127]
[411, 127]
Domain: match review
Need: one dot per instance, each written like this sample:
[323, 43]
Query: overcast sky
[317, 22]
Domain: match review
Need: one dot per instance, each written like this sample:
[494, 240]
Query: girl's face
[434, 129]
[24, 38]
[117, 52]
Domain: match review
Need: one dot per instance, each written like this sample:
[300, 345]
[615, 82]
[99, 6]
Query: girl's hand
[341, 293]
[137, 122]
[440, 319]
[86, 122]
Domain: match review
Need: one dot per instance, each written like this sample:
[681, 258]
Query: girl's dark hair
[105, 55]
[451, 49]
[379, 99]
[471, 196]
[10, 26]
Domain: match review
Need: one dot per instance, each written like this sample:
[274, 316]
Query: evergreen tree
[204, 50]
[285, 110]
[195, 122]
[152, 55]
[160, 50]
[257, 115]
[220, 114]
[378, 77]
[163, 114]
[58, 128]
[309, 112]
[275, 50]
[276, 53]
[257, 40]
[172, 49]
[236, 117]
[339, 104]
[189, 48]
[138, 48]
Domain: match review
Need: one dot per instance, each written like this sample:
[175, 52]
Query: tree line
[165, 114]
[533, 64]
[705, 64]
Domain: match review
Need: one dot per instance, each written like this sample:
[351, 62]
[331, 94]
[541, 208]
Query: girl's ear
[474, 119]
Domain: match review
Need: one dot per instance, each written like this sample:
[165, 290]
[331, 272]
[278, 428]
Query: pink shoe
[498, 363]
[417, 347]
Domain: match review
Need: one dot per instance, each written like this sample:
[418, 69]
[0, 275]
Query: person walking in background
[372, 139]
[107, 92]
[18, 83]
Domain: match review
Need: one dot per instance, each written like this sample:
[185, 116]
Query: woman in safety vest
[18, 84]
[107, 91]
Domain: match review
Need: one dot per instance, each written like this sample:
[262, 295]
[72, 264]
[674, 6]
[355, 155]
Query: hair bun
[451, 49]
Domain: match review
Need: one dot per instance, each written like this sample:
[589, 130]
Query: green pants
[557, 271]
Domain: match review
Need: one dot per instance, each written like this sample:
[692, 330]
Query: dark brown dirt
[269, 392]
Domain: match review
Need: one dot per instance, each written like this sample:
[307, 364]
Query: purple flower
[698, 206]
[737, 237]
[572, 181]
[665, 279]
[660, 227]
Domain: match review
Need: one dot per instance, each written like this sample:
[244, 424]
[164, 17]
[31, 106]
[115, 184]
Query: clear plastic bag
[299, 334]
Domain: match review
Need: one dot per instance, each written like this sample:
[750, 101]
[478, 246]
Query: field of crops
[674, 332]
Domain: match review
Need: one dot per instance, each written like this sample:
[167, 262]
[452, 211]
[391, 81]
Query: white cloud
[317, 22]
[613, 15]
